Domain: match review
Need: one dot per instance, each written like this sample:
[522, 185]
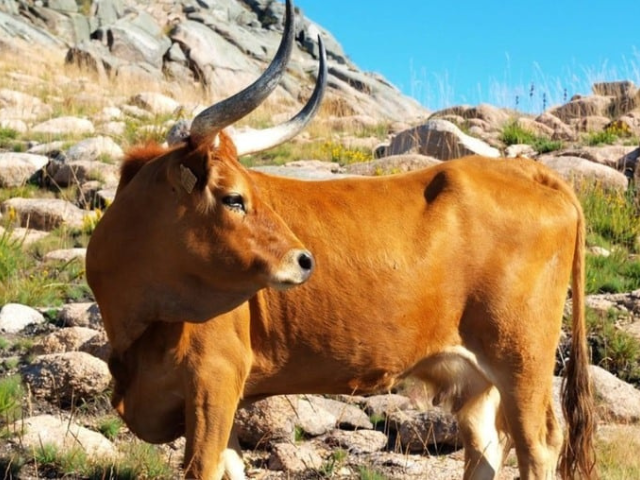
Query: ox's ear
[224, 149]
[192, 171]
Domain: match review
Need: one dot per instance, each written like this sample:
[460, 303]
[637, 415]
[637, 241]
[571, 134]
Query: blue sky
[447, 53]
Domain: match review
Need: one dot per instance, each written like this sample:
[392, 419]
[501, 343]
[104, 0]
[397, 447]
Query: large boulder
[493, 118]
[561, 131]
[439, 139]
[616, 400]
[582, 172]
[136, 38]
[34, 433]
[67, 378]
[580, 107]
[17, 168]
[45, 213]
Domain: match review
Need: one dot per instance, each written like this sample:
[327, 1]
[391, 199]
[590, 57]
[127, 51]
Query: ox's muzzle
[294, 269]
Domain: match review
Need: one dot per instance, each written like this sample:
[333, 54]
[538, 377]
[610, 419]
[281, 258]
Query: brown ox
[456, 275]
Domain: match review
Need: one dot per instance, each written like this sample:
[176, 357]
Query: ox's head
[188, 236]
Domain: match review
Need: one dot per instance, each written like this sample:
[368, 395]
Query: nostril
[305, 260]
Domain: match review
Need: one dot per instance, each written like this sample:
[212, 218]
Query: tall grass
[612, 223]
[11, 393]
[137, 460]
[612, 218]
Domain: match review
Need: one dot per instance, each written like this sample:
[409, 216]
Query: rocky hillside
[220, 44]
[118, 72]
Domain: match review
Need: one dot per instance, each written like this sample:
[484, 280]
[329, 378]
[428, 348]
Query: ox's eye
[234, 201]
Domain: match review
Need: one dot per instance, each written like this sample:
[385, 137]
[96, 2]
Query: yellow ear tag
[187, 178]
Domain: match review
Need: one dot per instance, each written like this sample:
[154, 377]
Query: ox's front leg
[216, 373]
[209, 420]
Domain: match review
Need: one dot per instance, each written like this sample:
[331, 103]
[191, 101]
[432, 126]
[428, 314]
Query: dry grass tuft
[617, 452]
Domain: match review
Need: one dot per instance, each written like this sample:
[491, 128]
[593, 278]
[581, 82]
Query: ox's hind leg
[534, 428]
[486, 442]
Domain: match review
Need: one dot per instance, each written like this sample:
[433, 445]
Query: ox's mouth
[284, 286]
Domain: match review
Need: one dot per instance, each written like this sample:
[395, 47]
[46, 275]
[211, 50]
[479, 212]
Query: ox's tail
[578, 456]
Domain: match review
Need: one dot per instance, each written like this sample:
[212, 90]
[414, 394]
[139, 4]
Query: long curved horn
[222, 114]
[254, 141]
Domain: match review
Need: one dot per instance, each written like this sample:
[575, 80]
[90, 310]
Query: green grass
[12, 258]
[514, 134]
[613, 349]
[276, 156]
[53, 460]
[365, 473]
[546, 145]
[616, 132]
[324, 151]
[8, 138]
[11, 393]
[298, 434]
[618, 458]
[379, 130]
[612, 223]
[612, 218]
[143, 131]
[287, 152]
[110, 426]
[344, 156]
[604, 137]
[139, 460]
[613, 274]
[377, 418]
[330, 467]
[143, 461]
[10, 466]
[24, 191]
[25, 279]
